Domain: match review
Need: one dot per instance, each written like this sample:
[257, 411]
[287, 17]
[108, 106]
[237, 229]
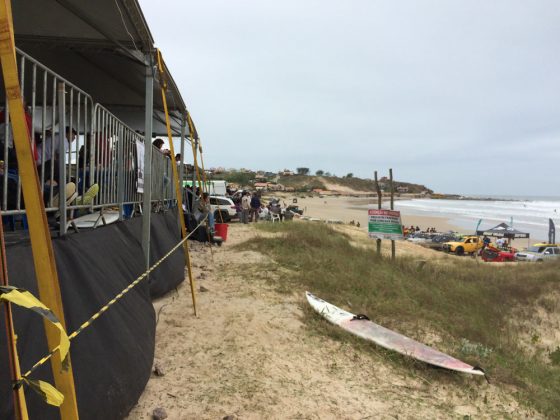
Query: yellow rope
[112, 302]
[176, 181]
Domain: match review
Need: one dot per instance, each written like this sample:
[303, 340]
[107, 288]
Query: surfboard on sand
[386, 338]
[93, 220]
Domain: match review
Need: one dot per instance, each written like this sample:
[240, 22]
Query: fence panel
[98, 148]
[39, 90]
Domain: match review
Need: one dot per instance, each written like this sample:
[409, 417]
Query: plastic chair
[274, 217]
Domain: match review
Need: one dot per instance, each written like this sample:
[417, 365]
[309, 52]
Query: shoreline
[347, 210]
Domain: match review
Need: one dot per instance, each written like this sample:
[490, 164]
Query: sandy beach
[347, 209]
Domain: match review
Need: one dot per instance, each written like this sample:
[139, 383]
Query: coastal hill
[322, 183]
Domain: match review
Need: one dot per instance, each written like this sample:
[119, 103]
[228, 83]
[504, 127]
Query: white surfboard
[93, 220]
[386, 338]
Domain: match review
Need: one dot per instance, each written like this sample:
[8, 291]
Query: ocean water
[529, 214]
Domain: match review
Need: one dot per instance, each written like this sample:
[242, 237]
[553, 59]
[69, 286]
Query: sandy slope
[251, 355]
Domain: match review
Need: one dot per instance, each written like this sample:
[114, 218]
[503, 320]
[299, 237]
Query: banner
[551, 232]
[385, 224]
[140, 166]
[477, 226]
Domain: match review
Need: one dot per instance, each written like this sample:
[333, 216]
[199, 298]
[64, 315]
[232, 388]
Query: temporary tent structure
[105, 47]
[503, 230]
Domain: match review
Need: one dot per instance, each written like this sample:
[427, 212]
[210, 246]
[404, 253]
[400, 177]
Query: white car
[538, 253]
[223, 205]
[420, 237]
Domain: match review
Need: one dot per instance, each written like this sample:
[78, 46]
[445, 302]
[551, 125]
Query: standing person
[158, 143]
[282, 211]
[206, 209]
[255, 207]
[245, 207]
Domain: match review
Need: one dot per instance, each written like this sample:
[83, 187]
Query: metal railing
[162, 176]
[39, 88]
[75, 140]
[113, 160]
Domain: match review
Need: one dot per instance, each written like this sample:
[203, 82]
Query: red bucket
[220, 229]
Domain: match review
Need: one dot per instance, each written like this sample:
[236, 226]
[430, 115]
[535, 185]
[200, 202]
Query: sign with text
[140, 166]
[384, 224]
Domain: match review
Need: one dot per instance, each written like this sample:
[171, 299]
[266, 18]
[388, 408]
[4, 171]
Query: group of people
[501, 243]
[45, 148]
[251, 209]
[416, 229]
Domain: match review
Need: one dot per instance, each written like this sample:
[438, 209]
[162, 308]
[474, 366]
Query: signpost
[385, 224]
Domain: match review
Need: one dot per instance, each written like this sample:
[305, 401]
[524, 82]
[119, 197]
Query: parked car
[223, 205]
[493, 254]
[420, 237]
[539, 253]
[469, 245]
[438, 241]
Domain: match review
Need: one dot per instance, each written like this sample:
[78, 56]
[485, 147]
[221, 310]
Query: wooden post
[392, 208]
[379, 199]
[39, 233]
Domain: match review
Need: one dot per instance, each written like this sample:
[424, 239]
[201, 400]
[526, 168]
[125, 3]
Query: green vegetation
[469, 306]
[238, 177]
[308, 182]
[301, 182]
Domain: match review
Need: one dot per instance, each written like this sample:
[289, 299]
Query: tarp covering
[112, 359]
[101, 47]
[503, 230]
[164, 235]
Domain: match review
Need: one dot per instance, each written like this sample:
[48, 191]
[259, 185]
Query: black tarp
[165, 234]
[112, 359]
[503, 230]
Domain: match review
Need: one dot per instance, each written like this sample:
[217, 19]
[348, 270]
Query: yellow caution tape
[25, 299]
[48, 393]
[113, 301]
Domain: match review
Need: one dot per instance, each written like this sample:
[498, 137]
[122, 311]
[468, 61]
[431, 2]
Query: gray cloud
[459, 95]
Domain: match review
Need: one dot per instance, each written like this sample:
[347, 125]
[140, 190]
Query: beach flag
[477, 226]
[551, 232]
[511, 221]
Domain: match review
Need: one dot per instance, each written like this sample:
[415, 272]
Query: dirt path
[250, 355]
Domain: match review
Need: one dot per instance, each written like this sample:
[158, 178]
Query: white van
[217, 188]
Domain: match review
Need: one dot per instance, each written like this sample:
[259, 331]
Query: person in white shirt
[245, 207]
[48, 149]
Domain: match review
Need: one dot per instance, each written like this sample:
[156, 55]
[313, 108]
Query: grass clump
[469, 307]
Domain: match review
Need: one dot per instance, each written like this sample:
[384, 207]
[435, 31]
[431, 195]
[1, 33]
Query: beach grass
[470, 311]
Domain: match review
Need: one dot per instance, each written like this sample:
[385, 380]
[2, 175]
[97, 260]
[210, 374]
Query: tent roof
[503, 230]
[100, 46]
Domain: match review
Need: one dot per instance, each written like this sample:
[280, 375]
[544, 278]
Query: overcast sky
[462, 96]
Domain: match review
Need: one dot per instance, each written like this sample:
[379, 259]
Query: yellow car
[469, 245]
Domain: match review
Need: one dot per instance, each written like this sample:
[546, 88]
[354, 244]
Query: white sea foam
[528, 215]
